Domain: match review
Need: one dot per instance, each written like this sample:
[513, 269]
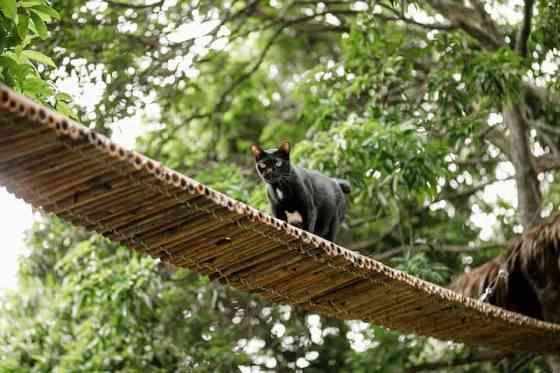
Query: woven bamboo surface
[66, 169]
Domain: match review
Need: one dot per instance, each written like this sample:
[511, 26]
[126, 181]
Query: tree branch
[172, 131]
[400, 17]
[390, 253]
[430, 26]
[468, 192]
[118, 4]
[487, 20]
[255, 67]
[302, 24]
[547, 163]
[549, 135]
[466, 19]
[478, 162]
[496, 138]
[544, 127]
[541, 93]
[525, 30]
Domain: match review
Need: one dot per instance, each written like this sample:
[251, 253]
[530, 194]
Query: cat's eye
[261, 165]
[278, 163]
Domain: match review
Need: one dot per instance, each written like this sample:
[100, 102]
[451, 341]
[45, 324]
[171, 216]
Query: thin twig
[255, 67]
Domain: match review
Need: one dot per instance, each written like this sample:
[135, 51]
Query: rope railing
[66, 169]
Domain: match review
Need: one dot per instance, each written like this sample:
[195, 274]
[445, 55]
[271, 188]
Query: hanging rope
[491, 288]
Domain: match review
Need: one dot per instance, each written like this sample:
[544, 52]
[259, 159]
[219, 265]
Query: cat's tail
[344, 185]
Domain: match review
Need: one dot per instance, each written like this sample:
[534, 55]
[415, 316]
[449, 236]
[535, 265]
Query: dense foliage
[443, 114]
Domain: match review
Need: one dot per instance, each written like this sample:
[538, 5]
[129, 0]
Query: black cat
[307, 199]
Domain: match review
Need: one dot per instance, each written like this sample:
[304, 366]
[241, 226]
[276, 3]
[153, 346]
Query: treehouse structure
[66, 169]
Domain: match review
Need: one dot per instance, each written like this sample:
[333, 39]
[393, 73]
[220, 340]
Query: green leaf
[46, 13]
[17, 53]
[40, 26]
[17, 67]
[9, 9]
[65, 97]
[31, 3]
[23, 26]
[39, 57]
[27, 39]
[8, 63]
[64, 109]
[37, 87]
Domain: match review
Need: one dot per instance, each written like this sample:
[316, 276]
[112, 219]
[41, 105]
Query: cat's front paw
[295, 219]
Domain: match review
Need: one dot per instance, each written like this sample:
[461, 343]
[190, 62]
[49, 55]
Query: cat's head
[272, 165]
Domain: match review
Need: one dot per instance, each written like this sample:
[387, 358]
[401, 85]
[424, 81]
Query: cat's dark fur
[308, 199]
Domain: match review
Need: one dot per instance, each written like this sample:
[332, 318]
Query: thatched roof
[531, 284]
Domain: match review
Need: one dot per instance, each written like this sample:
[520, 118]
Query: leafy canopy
[407, 100]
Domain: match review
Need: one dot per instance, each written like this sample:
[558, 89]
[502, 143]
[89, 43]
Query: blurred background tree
[443, 114]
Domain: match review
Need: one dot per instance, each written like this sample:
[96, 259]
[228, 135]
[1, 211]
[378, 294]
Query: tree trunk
[528, 191]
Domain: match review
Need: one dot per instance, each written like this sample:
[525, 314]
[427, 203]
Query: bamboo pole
[257, 274]
[39, 146]
[306, 285]
[103, 198]
[48, 167]
[66, 184]
[200, 238]
[232, 240]
[193, 221]
[35, 162]
[245, 250]
[155, 248]
[182, 216]
[30, 131]
[166, 212]
[172, 231]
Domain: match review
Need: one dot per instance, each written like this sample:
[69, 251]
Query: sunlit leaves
[23, 26]
[39, 57]
[496, 75]
[399, 159]
[20, 23]
[9, 8]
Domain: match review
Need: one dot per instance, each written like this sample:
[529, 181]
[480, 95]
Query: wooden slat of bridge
[64, 168]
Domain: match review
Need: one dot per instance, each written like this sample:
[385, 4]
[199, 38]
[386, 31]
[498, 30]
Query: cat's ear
[284, 149]
[257, 151]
